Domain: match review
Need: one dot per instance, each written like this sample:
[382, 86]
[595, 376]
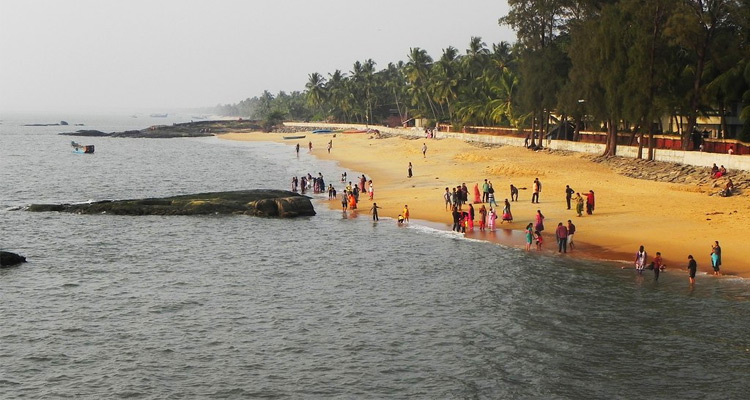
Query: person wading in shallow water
[692, 268]
[374, 211]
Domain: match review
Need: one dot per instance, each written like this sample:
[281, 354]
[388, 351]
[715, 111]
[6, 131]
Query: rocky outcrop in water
[188, 129]
[262, 203]
[8, 259]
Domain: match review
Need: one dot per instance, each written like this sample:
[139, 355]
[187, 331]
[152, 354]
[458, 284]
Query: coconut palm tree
[316, 91]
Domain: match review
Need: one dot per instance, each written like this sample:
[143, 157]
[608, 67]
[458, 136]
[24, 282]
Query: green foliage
[622, 64]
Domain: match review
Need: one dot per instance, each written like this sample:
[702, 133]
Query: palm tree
[418, 74]
[316, 91]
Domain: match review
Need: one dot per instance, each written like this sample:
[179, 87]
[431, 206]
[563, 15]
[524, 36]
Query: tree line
[616, 65]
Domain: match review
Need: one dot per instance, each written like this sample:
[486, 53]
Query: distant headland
[187, 129]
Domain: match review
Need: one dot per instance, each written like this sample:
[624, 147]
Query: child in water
[400, 219]
[538, 237]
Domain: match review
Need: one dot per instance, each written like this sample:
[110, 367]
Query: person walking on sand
[424, 150]
[571, 232]
[370, 189]
[374, 211]
[485, 192]
[692, 268]
[406, 213]
[590, 202]
[539, 221]
[309, 146]
[477, 198]
[529, 235]
[579, 204]
[409, 171]
[658, 265]
[536, 189]
[640, 260]
[568, 195]
[562, 238]
[491, 196]
[330, 145]
[716, 257]
[482, 218]
[447, 198]
[507, 215]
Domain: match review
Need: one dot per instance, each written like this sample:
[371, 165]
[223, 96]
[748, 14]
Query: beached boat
[322, 131]
[356, 131]
[82, 149]
[294, 137]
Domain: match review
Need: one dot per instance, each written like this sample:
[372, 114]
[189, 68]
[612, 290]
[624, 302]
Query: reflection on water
[328, 306]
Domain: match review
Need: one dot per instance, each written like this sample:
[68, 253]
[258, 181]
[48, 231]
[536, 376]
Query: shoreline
[666, 217]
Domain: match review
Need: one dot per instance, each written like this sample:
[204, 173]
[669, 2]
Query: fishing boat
[357, 131]
[322, 131]
[294, 137]
[82, 149]
[159, 115]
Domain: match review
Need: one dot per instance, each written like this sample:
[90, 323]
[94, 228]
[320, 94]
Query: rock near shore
[8, 259]
[262, 203]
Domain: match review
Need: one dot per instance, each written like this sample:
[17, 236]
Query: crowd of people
[465, 216]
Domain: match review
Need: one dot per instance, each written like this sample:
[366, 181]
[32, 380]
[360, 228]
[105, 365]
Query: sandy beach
[674, 219]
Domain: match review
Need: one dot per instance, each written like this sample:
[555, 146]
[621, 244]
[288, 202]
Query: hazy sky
[107, 55]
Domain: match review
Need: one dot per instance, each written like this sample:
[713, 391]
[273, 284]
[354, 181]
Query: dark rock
[188, 129]
[260, 202]
[8, 259]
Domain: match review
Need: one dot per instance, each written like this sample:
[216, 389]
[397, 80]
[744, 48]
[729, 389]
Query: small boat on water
[294, 137]
[159, 115]
[82, 149]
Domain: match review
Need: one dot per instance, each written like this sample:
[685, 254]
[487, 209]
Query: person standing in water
[692, 269]
[571, 232]
[406, 213]
[716, 257]
[640, 260]
[297, 148]
[562, 238]
[658, 266]
[529, 235]
[374, 211]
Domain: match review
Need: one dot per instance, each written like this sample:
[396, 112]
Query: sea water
[330, 306]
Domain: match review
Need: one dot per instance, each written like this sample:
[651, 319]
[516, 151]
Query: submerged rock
[260, 202]
[8, 259]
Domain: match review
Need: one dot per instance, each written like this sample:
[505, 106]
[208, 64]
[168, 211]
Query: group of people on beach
[657, 264]
[457, 201]
[307, 182]
[718, 172]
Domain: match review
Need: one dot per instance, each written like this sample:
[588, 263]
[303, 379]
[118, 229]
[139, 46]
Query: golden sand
[673, 219]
